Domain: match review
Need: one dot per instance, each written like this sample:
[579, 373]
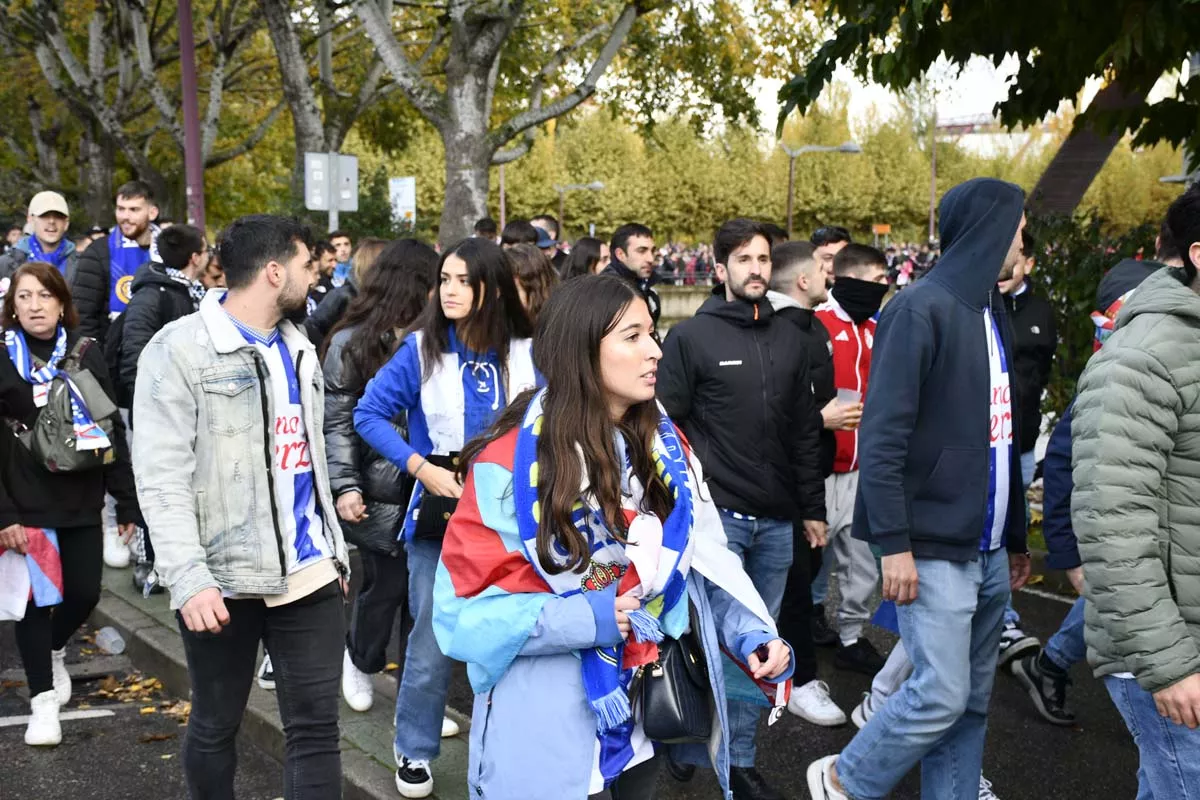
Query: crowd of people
[628, 539]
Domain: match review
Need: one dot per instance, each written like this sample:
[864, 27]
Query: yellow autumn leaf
[148, 710]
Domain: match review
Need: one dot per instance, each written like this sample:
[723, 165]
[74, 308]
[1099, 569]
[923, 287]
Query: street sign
[403, 193]
[330, 184]
[881, 229]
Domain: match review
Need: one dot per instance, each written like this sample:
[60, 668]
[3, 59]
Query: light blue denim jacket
[202, 453]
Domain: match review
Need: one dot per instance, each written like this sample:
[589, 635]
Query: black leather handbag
[674, 694]
[435, 511]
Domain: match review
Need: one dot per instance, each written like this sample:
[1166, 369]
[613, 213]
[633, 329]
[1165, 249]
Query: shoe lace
[985, 789]
[411, 766]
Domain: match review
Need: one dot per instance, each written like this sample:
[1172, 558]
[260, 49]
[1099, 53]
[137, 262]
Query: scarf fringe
[645, 626]
[611, 710]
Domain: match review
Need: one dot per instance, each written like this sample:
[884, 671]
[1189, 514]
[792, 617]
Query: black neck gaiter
[860, 299]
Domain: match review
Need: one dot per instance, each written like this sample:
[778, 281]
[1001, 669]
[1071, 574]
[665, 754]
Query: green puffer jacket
[1136, 504]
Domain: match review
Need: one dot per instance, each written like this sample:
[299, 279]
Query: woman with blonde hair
[334, 306]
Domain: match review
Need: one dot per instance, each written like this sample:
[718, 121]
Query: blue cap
[544, 240]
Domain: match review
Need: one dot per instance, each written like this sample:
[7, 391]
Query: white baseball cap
[47, 202]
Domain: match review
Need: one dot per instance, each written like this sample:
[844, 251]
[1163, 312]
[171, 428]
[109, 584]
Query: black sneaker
[413, 778]
[747, 784]
[1047, 687]
[266, 673]
[1015, 643]
[823, 634]
[859, 657]
[145, 579]
[678, 770]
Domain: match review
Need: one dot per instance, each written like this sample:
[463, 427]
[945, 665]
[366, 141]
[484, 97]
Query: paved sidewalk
[155, 647]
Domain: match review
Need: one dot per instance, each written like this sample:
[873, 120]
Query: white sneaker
[820, 785]
[44, 729]
[116, 552]
[62, 678]
[863, 712]
[812, 702]
[356, 686]
[449, 728]
[266, 673]
[985, 789]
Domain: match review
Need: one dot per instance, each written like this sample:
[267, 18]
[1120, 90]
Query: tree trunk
[1079, 160]
[96, 157]
[466, 185]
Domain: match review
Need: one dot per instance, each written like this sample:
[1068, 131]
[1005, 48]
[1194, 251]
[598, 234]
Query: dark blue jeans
[305, 639]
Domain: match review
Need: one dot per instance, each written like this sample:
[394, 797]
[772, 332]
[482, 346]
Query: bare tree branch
[250, 142]
[425, 98]
[145, 59]
[583, 90]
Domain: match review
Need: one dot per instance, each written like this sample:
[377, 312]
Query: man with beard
[737, 381]
[940, 496]
[860, 283]
[103, 283]
[632, 260]
[229, 457]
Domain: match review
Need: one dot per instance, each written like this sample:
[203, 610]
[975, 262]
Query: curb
[156, 649]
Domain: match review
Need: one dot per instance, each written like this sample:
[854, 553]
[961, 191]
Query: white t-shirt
[1000, 433]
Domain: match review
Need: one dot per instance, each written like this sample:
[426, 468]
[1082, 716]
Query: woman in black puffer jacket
[371, 492]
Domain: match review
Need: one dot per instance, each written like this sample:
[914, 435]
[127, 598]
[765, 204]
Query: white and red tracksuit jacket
[852, 345]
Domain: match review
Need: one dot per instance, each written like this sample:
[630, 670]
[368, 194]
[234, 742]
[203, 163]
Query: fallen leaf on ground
[391, 667]
[149, 710]
[147, 738]
[11, 684]
[165, 756]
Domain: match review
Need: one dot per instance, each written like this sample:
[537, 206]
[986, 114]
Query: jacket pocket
[230, 400]
[949, 505]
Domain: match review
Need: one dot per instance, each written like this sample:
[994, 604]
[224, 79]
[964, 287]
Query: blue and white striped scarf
[661, 552]
[88, 435]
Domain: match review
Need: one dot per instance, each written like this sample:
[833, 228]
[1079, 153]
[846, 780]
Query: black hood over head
[1126, 275]
[977, 221]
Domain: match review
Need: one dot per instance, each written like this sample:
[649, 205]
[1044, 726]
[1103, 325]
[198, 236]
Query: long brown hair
[566, 350]
[536, 275]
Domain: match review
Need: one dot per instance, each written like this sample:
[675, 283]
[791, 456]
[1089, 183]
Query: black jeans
[796, 610]
[638, 783]
[305, 641]
[384, 592]
[81, 551]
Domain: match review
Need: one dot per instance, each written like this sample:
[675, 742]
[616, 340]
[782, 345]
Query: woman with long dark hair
[536, 277]
[588, 256]
[54, 516]
[372, 492]
[584, 548]
[469, 354]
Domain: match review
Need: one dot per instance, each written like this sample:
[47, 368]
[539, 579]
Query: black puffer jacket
[331, 309]
[737, 382]
[644, 285]
[157, 300]
[353, 465]
[820, 365]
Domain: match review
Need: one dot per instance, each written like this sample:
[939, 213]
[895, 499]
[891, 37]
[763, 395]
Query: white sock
[848, 642]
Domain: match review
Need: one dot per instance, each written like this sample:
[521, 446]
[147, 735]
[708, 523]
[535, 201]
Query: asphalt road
[128, 755]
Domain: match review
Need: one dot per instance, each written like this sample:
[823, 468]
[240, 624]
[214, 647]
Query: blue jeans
[1168, 754]
[939, 716]
[765, 547]
[1028, 468]
[1066, 647]
[421, 699]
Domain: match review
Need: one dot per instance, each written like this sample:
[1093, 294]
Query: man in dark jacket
[103, 283]
[48, 242]
[326, 257]
[162, 293]
[940, 496]
[632, 260]
[1035, 340]
[737, 382]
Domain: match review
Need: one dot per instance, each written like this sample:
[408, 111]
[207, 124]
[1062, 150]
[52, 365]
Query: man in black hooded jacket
[737, 381]
[632, 260]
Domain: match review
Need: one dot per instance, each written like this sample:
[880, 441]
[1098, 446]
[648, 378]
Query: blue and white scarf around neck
[88, 435]
[125, 257]
[58, 257]
[660, 552]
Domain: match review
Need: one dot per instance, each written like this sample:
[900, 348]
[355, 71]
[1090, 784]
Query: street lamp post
[849, 148]
[594, 186]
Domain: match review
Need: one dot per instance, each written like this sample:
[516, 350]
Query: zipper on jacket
[487, 718]
[264, 380]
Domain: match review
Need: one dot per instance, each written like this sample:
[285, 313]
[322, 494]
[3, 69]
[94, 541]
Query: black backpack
[113, 345]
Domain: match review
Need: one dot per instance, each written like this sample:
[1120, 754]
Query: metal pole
[932, 175]
[502, 214]
[334, 192]
[562, 214]
[791, 183]
[192, 157]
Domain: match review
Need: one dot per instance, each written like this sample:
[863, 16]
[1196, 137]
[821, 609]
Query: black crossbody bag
[673, 695]
[435, 511]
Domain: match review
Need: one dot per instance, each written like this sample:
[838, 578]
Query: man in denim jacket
[229, 459]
